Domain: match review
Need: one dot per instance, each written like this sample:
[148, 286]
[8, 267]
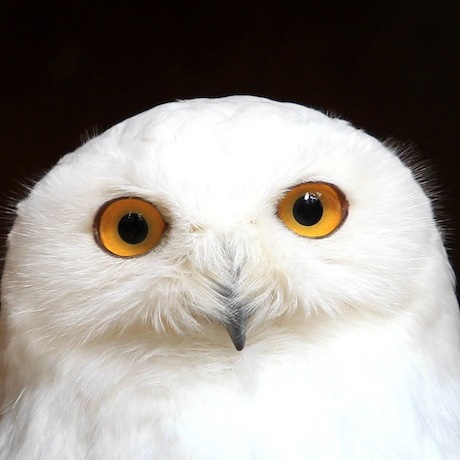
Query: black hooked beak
[236, 327]
[236, 320]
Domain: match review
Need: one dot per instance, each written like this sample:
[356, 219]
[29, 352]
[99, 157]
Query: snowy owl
[230, 278]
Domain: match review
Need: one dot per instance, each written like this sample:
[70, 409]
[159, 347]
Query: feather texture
[351, 340]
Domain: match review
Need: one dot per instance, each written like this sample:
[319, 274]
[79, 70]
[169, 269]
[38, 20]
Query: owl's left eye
[128, 227]
[313, 209]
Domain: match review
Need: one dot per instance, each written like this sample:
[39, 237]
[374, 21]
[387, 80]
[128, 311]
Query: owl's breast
[279, 399]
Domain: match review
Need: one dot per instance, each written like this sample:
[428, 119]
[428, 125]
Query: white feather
[353, 340]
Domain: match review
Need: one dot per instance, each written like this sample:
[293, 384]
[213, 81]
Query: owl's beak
[236, 328]
[236, 316]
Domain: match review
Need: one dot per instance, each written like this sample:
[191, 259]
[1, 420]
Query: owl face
[207, 217]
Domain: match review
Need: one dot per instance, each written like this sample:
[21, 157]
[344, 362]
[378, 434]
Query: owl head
[213, 217]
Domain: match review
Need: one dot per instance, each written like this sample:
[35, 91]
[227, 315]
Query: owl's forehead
[223, 154]
[220, 141]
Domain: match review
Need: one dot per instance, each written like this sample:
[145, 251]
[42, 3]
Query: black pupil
[308, 210]
[133, 228]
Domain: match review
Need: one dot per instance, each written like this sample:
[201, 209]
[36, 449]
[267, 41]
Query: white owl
[231, 278]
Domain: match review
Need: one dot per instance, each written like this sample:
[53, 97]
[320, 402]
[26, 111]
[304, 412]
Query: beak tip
[239, 345]
[238, 336]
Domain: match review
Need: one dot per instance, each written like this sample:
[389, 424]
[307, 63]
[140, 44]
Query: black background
[70, 70]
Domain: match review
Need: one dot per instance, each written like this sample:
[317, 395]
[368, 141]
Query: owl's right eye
[128, 227]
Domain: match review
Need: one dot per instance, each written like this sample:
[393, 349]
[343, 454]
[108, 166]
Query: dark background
[69, 70]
